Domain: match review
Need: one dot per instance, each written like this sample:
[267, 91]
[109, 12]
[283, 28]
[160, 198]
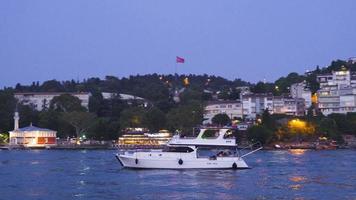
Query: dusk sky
[247, 39]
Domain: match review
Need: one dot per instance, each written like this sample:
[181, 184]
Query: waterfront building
[41, 100]
[288, 106]
[233, 109]
[31, 136]
[337, 93]
[300, 90]
[255, 104]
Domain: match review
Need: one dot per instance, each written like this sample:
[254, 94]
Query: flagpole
[176, 75]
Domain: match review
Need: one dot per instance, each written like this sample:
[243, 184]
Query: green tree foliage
[28, 115]
[351, 118]
[259, 134]
[4, 138]
[95, 102]
[221, 119]
[155, 119]
[104, 129]
[52, 86]
[328, 127]
[267, 120]
[81, 121]
[284, 83]
[185, 117]
[341, 122]
[66, 103]
[52, 119]
[133, 117]
[261, 87]
[7, 108]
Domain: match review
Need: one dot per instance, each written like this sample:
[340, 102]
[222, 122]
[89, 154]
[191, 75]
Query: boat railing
[254, 147]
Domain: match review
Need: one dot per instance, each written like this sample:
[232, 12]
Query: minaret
[16, 119]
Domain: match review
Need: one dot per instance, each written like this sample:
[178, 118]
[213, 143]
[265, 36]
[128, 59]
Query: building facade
[337, 93]
[41, 100]
[255, 104]
[231, 108]
[300, 90]
[31, 136]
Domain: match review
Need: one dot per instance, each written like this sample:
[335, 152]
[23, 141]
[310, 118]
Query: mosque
[31, 136]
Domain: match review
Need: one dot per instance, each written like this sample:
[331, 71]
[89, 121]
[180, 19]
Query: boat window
[213, 153]
[210, 133]
[179, 149]
[229, 134]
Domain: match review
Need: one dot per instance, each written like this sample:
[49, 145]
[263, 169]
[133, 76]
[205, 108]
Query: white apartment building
[337, 92]
[255, 104]
[41, 100]
[231, 108]
[299, 90]
[288, 106]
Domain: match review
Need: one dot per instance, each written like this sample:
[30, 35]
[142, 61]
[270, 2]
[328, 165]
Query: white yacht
[213, 148]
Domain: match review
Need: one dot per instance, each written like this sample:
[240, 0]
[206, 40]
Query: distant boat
[191, 153]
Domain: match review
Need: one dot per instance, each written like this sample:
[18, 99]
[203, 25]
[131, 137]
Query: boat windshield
[216, 152]
[178, 149]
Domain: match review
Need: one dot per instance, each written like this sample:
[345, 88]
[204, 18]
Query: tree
[95, 102]
[155, 119]
[104, 129]
[267, 120]
[342, 123]
[4, 138]
[328, 127]
[221, 119]
[351, 118]
[112, 107]
[51, 119]
[7, 108]
[184, 117]
[133, 117]
[28, 115]
[81, 121]
[66, 103]
[52, 86]
[259, 134]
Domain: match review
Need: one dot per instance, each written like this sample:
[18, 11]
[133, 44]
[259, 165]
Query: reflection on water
[297, 152]
[294, 174]
[297, 178]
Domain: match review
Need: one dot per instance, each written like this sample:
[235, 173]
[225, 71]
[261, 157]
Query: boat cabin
[207, 137]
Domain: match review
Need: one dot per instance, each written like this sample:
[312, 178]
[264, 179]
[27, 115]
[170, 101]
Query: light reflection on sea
[295, 174]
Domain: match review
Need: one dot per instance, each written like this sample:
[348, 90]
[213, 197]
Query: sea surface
[96, 174]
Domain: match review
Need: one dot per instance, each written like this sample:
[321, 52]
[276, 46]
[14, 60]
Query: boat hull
[129, 161]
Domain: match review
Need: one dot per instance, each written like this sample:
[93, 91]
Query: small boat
[213, 148]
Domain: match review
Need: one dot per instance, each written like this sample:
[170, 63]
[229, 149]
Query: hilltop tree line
[105, 118]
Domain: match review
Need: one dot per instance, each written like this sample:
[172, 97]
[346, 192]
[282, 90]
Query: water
[95, 174]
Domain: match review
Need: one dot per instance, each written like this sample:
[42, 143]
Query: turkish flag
[179, 60]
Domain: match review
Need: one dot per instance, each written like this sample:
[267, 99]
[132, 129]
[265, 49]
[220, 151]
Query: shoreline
[266, 148]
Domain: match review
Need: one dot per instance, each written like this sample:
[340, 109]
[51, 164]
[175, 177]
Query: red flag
[179, 60]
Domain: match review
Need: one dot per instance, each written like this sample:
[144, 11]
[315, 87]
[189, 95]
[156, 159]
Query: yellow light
[314, 98]
[297, 151]
[297, 123]
[186, 81]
